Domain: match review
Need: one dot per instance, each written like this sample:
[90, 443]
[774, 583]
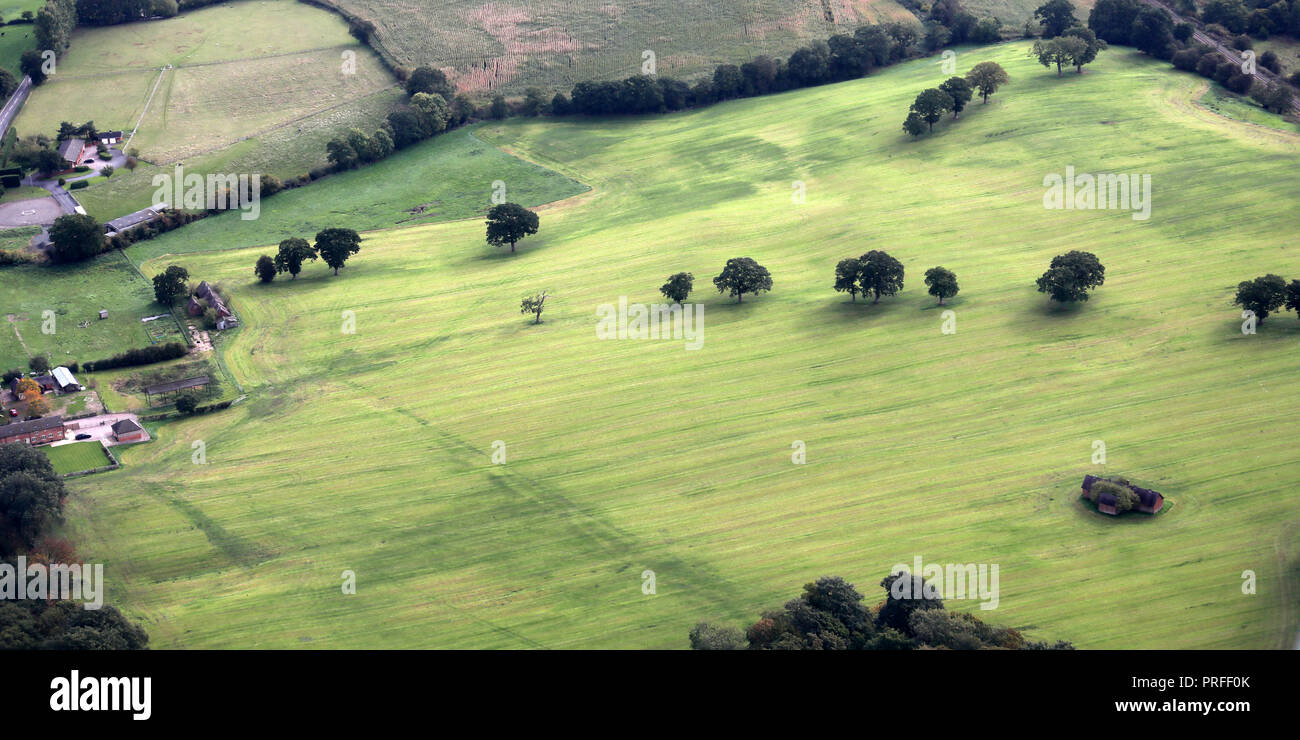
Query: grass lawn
[448, 177]
[371, 451]
[76, 457]
[19, 238]
[23, 192]
[75, 294]
[16, 39]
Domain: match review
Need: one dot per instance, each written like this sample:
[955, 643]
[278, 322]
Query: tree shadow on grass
[865, 310]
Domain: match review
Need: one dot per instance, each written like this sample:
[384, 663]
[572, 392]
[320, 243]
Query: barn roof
[35, 425]
[125, 426]
[1147, 496]
[1106, 499]
[71, 149]
[63, 376]
[1088, 480]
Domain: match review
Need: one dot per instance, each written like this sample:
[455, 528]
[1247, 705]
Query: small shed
[103, 314]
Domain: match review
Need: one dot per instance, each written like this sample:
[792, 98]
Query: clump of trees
[743, 275]
[1075, 47]
[333, 246]
[507, 223]
[75, 237]
[1071, 275]
[1267, 294]
[953, 95]
[874, 273]
[829, 615]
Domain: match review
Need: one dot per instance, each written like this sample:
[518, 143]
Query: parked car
[83, 436]
[13, 412]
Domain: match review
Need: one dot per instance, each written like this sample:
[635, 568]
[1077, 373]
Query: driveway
[100, 428]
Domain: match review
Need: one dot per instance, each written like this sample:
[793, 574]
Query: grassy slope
[558, 42]
[244, 94]
[453, 174]
[370, 451]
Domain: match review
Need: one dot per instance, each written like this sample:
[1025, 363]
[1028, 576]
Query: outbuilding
[127, 430]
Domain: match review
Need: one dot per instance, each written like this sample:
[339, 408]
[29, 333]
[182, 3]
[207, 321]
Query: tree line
[953, 95]
[829, 615]
[1266, 294]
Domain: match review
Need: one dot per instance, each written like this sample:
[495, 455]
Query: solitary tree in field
[1263, 295]
[942, 282]
[293, 252]
[678, 287]
[1071, 275]
[533, 304]
[846, 278]
[743, 275]
[879, 274]
[169, 284]
[336, 245]
[987, 77]
[265, 269]
[508, 223]
[960, 91]
[931, 105]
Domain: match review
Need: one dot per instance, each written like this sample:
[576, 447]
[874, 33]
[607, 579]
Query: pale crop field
[511, 44]
[371, 451]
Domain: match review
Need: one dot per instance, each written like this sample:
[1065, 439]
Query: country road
[15, 104]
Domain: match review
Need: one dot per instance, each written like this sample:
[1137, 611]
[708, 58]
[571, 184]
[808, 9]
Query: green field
[76, 457]
[17, 238]
[555, 43]
[76, 294]
[371, 451]
[448, 177]
[252, 86]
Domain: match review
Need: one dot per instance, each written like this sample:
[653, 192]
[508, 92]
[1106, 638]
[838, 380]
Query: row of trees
[953, 95]
[830, 615]
[333, 246]
[1075, 47]
[739, 276]
[1266, 294]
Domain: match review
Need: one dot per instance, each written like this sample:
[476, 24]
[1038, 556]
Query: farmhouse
[70, 149]
[127, 430]
[35, 432]
[64, 380]
[1149, 501]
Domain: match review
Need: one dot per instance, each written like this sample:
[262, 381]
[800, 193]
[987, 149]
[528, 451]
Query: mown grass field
[76, 294]
[445, 178]
[252, 86]
[76, 457]
[371, 451]
[554, 43]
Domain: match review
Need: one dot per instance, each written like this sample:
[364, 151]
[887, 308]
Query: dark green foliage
[846, 278]
[913, 124]
[186, 404]
[678, 286]
[707, 636]
[1112, 20]
[879, 274]
[1056, 16]
[508, 223]
[75, 237]
[336, 245]
[265, 269]
[429, 80]
[37, 624]
[39, 364]
[960, 91]
[169, 284]
[1071, 275]
[294, 251]
[931, 104]
[942, 282]
[1263, 295]
[134, 357]
[32, 64]
[987, 77]
[31, 498]
[742, 275]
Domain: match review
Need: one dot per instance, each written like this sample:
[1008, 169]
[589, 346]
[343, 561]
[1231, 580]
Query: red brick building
[35, 432]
